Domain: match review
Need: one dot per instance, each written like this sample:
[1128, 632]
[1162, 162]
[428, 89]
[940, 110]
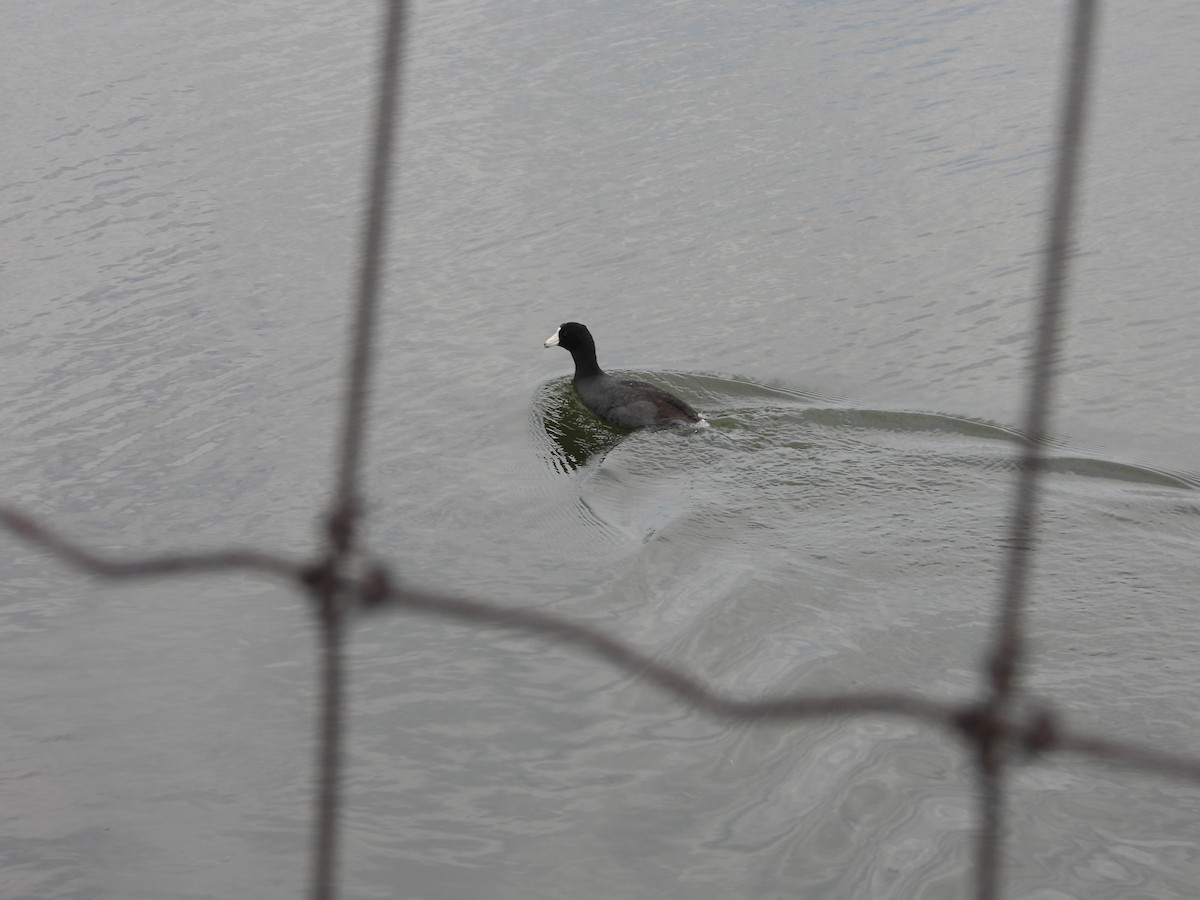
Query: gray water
[816, 221]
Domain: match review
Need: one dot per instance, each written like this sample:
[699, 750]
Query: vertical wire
[1056, 259]
[343, 518]
[1008, 650]
[991, 809]
[374, 235]
[323, 883]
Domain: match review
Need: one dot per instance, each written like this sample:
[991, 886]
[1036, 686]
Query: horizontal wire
[1036, 735]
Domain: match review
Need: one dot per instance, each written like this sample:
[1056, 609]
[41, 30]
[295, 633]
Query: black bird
[626, 404]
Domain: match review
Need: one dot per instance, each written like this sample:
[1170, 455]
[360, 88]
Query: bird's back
[633, 404]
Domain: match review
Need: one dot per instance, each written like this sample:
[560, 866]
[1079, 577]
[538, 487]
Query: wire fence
[999, 729]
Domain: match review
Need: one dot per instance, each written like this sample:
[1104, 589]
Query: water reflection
[576, 435]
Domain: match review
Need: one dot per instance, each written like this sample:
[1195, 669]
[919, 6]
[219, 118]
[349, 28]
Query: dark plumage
[618, 401]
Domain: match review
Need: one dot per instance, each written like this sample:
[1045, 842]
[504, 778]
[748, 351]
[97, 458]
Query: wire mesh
[999, 728]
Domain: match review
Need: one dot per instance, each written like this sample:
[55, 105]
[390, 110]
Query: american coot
[627, 404]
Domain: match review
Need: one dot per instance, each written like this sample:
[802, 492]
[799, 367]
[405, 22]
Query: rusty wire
[326, 580]
[996, 732]
[1008, 652]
